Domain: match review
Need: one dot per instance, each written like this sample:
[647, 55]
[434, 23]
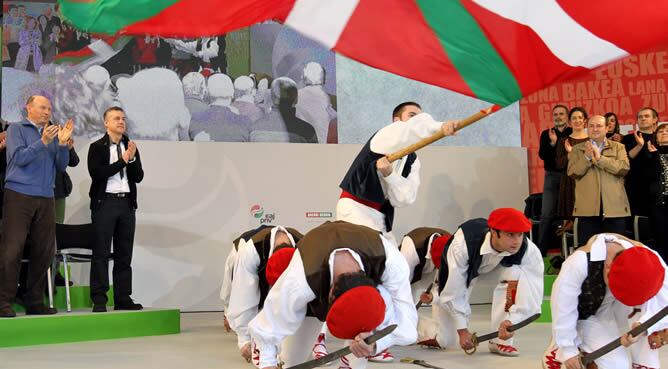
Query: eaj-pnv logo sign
[257, 211]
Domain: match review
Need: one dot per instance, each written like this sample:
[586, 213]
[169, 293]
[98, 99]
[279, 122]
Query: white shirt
[285, 307]
[454, 297]
[396, 136]
[429, 271]
[116, 184]
[567, 289]
[245, 291]
[401, 191]
[409, 253]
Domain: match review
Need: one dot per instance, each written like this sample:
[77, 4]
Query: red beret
[277, 263]
[508, 220]
[437, 246]
[636, 275]
[360, 309]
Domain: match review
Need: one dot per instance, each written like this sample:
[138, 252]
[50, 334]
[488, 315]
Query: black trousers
[114, 222]
[28, 221]
[589, 226]
[659, 223]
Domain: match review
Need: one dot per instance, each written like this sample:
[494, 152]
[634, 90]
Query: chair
[566, 250]
[49, 281]
[642, 230]
[532, 210]
[74, 244]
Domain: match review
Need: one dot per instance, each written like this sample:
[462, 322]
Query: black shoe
[99, 308]
[127, 305]
[40, 310]
[7, 312]
[60, 281]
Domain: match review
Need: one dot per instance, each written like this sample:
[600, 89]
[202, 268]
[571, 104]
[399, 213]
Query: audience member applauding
[598, 167]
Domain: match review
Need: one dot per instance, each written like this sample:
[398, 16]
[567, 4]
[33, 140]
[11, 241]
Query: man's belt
[347, 195]
[117, 195]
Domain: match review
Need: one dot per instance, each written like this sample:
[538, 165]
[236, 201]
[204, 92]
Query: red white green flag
[494, 50]
[97, 52]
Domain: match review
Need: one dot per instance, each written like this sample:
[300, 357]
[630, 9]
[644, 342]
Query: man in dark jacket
[548, 152]
[115, 168]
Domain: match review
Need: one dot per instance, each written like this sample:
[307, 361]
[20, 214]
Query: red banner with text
[622, 87]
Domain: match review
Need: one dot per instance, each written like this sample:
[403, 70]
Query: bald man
[598, 167]
[221, 121]
[244, 99]
[313, 103]
[35, 149]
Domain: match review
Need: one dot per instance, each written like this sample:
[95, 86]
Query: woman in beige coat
[598, 167]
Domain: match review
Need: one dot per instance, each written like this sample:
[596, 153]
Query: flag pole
[437, 136]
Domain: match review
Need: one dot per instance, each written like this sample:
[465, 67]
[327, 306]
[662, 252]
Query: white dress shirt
[429, 271]
[401, 191]
[116, 184]
[245, 290]
[454, 297]
[413, 259]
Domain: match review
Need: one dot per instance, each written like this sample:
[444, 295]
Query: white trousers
[226, 288]
[427, 324]
[353, 212]
[296, 349]
[608, 324]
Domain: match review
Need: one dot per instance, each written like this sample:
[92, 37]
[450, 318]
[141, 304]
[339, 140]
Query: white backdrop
[197, 197]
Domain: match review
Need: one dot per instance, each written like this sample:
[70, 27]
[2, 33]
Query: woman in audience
[29, 56]
[578, 121]
[657, 151]
[612, 123]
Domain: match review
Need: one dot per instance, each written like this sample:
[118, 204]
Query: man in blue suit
[35, 148]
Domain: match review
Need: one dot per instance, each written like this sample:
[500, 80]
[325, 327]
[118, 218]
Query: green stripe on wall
[470, 51]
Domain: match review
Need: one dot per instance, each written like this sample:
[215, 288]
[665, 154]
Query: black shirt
[548, 152]
[639, 176]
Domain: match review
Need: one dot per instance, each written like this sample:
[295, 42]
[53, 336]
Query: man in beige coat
[598, 167]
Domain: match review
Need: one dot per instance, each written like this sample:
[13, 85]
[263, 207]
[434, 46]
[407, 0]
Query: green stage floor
[84, 325]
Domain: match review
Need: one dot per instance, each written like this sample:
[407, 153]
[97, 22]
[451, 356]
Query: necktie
[120, 155]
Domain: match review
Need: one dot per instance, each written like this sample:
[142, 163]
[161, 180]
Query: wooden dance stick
[437, 136]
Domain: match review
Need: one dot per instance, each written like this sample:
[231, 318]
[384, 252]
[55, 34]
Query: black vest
[420, 237]
[362, 180]
[247, 235]
[318, 244]
[261, 238]
[592, 291]
[475, 231]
